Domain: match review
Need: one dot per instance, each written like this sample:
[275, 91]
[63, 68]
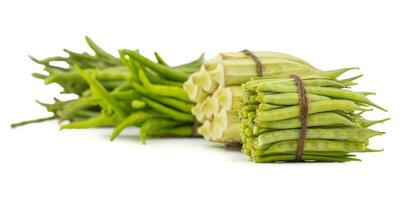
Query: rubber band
[304, 108]
[257, 61]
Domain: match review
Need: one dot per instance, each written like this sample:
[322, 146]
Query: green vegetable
[271, 123]
[217, 92]
[130, 90]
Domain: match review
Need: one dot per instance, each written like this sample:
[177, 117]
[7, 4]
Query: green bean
[123, 87]
[160, 69]
[47, 61]
[318, 119]
[191, 67]
[116, 73]
[157, 79]
[83, 113]
[279, 158]
[368, 123]
[177, 104]
[308, 80]
[174, 114]
[126, 95]
[84, 60]
[163, 90]
[155, 124]
[178, 131]
[101, 53]
[317, 145]
[348, 134]
[333, 74]
[99, 90]
[159, 59]
[314, 107]
[325, 91]
[98, 121]
[138, 104]
[350, 81]
[336, 154]
[86, 102]
[133, 119]
[288, 98]
[267, 106]
[81, 56]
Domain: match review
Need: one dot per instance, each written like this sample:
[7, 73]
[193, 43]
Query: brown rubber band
[257, 61]
[304, 108]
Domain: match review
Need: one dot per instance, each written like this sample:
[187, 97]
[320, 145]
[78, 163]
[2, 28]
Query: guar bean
[348, 134]
[155, 124]
[98, 121]
[267, 106]
[325, 91]
[98, 90]
[261, 152]
[333, 74]
[318, 145]
[314, 107]
[135, 118]
[281, 158]
[368, 123]
[163, 90]
[178, 131]
[174, 114]
[288, 98]
[318, 119]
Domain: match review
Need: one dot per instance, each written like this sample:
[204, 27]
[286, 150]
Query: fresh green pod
[318, 119]
[325, 91]
[315, 145]
[314, 107]
[288, 98]
[347, 134]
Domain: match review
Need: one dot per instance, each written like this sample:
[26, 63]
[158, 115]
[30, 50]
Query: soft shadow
[225, 147]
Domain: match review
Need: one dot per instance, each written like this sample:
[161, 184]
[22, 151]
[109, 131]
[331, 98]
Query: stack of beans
[271, 122]
[216, 88]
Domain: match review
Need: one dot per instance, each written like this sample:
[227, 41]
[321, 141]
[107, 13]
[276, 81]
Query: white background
[40, 162]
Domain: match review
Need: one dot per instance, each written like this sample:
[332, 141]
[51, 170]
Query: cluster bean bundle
[273, 119]
[129, 90]
[216, 88]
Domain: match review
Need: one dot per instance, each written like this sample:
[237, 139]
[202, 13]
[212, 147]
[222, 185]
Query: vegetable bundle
[216, 88]
[221, 99]
[271, 121]
[130, 90]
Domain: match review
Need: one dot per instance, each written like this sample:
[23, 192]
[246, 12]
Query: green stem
[23, 123]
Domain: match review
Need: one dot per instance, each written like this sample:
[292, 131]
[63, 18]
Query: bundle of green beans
[216, 88]
[129, 90]
[270, 115]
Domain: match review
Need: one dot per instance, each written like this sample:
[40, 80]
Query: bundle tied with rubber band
[275, 127]
[216, 88]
